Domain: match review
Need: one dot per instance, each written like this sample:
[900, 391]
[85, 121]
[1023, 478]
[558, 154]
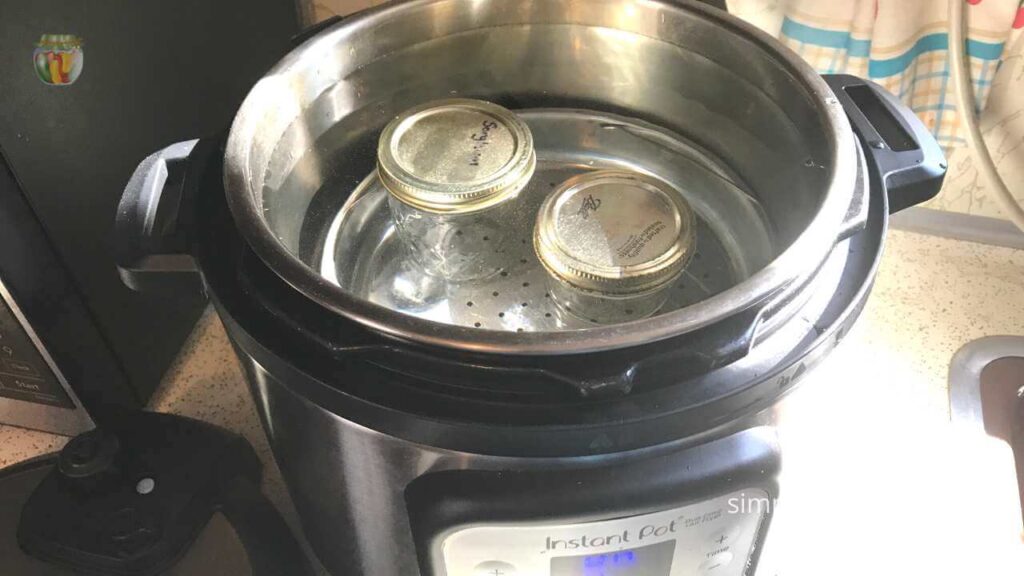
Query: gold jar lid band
[615, 232]
[455, 156]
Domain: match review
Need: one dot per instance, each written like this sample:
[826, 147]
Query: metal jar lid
[455, 156]
[615, 232]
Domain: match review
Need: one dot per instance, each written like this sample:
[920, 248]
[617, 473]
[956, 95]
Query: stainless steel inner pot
[752, 114]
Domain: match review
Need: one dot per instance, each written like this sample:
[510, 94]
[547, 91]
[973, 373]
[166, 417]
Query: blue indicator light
[652, 560]
[596, 565]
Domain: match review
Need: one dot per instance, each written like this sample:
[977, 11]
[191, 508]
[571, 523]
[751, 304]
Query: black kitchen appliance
[88, 90]
[414, 438]
[145, 494]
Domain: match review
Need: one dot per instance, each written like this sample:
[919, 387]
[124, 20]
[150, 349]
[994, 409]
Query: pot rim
[801, 257]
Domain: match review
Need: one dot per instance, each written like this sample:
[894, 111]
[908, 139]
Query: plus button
[494, 568]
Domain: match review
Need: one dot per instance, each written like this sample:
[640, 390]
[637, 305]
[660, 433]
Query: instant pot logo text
[646, 533]
[481, 140]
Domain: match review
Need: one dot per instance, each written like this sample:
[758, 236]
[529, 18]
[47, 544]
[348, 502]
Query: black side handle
[153, 226]
[902, 154]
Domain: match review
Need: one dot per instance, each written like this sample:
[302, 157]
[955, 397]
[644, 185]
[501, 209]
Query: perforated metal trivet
[362, 253]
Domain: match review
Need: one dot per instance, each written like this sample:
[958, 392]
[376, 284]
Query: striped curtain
[901, 44]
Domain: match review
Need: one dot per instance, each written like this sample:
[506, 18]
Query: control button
[716, 564]
[494, 568]
[20, 368]
[724, 537]
[32, 390]
[145, 486]
[26, 386]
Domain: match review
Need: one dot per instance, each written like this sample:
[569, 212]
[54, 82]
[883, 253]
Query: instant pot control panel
[714, 537]
[699, 511]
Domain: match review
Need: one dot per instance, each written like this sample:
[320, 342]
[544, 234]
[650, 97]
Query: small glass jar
[454, 170]
[613, 243]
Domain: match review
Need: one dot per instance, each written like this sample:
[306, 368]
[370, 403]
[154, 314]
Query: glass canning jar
[613, 243]
[454, 169]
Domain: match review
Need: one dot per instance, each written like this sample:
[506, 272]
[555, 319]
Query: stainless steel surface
[67, 421]
[714, 537]
[455, 156]
[360, 251]
[683, 67]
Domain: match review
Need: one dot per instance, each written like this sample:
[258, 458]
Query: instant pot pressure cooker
[461, 428]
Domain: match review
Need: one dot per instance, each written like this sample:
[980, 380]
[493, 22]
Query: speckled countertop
[883, 393]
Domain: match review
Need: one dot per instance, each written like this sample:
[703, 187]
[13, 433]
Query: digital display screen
[653, 560]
